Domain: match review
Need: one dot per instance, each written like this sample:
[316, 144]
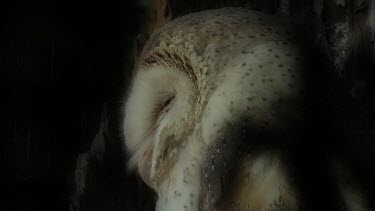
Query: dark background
[65, 66]
[62, 63]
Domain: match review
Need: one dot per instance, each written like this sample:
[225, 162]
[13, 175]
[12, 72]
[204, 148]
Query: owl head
[205, 86]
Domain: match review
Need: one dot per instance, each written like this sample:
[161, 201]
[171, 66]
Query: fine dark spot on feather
[250, 99]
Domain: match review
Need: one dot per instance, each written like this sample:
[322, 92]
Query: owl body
[209, 87]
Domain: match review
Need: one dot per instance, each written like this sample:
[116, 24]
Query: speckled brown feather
[204, 46]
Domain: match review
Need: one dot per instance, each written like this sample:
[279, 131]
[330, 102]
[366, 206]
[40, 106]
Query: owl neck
[180, 191]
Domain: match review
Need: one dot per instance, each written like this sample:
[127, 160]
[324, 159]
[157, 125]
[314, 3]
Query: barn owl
[210, 88]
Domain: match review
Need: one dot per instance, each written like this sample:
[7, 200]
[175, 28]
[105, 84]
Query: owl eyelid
[163, 107]
[168, 101]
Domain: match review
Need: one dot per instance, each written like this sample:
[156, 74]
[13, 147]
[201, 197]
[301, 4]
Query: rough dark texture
[101, 178]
